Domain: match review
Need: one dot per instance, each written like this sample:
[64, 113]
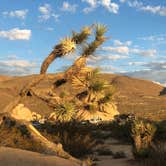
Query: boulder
[20, 112]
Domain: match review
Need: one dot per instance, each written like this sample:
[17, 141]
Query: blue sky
[29, 30]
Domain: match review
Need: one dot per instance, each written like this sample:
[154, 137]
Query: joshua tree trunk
[76, 67]
[66, 46]
[47, 62]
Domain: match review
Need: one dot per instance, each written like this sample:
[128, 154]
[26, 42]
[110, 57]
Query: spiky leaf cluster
[98, 92]
[82, 36]
[64, 111]
[100, 30]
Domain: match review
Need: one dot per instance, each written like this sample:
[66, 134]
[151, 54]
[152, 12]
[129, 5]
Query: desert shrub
[157, 156]
[76, 144]
[119, 155]
[142, 133]
[88, 162]
[63, 94]
[161, 131]
[121, 127]
[75, 137]
[105, 152]
[16, 135]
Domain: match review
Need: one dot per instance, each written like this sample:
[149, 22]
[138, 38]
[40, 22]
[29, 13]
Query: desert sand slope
[133, 95]
[17, 157]
[4, 78]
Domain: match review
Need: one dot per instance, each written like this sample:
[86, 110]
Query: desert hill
[132, 95]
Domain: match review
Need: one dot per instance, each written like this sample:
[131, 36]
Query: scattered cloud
[146, 53]
[119, 43]
[126, 50]
[122, 1]
[16, 34]
[107, 4]
[49, 29]
[117, 57]
[66, 6]
[154, 71]
[110, 6]
[99, 58]
[16, 63]
[154, 38]
[159, 10]
[156, 65]
[120, 50]
[108, 68]
[153, 75]
[20, 14]
[47, 13]
[16, 67]
[136, 63]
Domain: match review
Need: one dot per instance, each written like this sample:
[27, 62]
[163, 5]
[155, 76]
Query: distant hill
[137, 96]
[4, 78]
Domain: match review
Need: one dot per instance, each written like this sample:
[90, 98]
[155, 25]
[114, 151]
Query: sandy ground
[17, 157]
[114, 146]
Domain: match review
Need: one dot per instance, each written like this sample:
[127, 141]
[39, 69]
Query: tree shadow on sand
[163, 92]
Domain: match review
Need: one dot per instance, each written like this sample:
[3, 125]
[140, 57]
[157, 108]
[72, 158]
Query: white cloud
[153, 75]
[47, 13]
[108, 68]
[66, 6]
[92, 5]
[49, 29]
[155, 10]
[45, 10]
[21, 14]
[159, 10]
[16, 63]
[117, 57]
[122, 1]
[119, 43]
[107, 4]
[136, 63]
[154, 38]
[126, 50]
[99, 58]
[149, 53]
[16, 67]
[120, 50]
[110, 6]
[16, 34]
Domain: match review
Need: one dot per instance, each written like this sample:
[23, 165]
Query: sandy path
[114, 146]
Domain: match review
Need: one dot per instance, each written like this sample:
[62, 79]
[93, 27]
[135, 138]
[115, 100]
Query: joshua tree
[93, 90]
[66, 46]
[90, 49]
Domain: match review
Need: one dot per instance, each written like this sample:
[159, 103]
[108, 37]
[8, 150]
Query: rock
[20, 112]
[107, 115]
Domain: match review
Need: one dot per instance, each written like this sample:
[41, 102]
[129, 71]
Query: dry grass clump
[157, 156]
[75, 138]
[16, 135]
[142, 133]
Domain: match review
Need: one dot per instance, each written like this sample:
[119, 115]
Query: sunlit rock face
[20, 112]
[108, 115]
